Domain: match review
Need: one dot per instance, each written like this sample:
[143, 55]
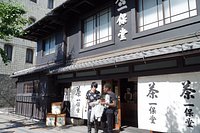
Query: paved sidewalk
[11, 123]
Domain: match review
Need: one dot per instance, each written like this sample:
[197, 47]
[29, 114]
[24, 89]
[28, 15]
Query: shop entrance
[116, 89]
[63, 91]
[128, 88]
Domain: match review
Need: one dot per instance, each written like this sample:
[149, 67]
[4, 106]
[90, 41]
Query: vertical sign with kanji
[75, 99]
[152, 103]
[169, 103]
[122, 19]
[78, 98]
[188, 93]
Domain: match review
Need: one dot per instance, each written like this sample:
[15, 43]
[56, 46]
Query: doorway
[128, 88]
[63, 91]
[126, 92]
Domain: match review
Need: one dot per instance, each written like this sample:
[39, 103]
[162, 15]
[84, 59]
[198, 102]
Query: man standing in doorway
[93, 97]
[110, 103]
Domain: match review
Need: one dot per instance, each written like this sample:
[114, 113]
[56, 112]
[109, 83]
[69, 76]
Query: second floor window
[97, 29]
[29, 56]
[155, 13]
[9, 50]
[50, 4]
[34, 1]
[49, 45]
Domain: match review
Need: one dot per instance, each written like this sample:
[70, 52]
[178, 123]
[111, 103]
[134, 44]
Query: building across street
[21, 52]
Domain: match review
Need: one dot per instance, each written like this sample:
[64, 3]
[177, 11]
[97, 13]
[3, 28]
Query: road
[12, 123]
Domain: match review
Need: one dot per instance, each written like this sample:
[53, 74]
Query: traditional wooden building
[148, 50]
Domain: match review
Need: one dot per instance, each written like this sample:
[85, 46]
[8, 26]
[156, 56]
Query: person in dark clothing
[66, 103]
[110, 103]
[93, 97]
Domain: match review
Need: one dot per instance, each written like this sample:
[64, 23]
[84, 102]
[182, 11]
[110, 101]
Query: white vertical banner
[78, 97]
[169, 103]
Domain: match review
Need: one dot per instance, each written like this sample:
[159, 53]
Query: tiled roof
[34, 70]
[54, 68]
[128, 57]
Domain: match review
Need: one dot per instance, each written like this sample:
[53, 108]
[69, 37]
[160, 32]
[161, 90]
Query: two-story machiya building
[148, 50]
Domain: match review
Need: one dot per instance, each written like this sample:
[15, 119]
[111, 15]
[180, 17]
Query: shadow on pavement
[66, 126]
[8, 132]
[15, 124]
[43, 126]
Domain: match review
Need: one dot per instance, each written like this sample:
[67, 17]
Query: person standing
[93, 97]
[108, 115]
[128, 95]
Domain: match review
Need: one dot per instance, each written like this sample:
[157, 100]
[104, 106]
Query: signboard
[122, 19]
[66, 94]
[169, 103]
[78, 98]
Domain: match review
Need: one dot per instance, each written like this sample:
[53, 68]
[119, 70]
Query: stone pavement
[11, 123]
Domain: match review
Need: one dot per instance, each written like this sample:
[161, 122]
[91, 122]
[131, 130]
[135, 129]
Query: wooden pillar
[117, 93]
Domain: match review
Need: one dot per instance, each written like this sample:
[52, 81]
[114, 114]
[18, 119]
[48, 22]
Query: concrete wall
[7, 91]
[18, 56]
[36, 10]
[7, 85]
[39, 9]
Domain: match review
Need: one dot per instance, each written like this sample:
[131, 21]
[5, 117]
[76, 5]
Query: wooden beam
[57, 22]
[89, 3]
[34, 33]
[82, 2]
[29, 37]
[74, 10]
[71, 9]
[50, 27]
[42, 30]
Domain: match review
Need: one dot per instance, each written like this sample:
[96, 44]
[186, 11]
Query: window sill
[104, 44]
[29, 62]
[45, 55]
[33, 2]
[166, 27]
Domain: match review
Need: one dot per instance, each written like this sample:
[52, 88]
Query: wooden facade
[66, 23]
